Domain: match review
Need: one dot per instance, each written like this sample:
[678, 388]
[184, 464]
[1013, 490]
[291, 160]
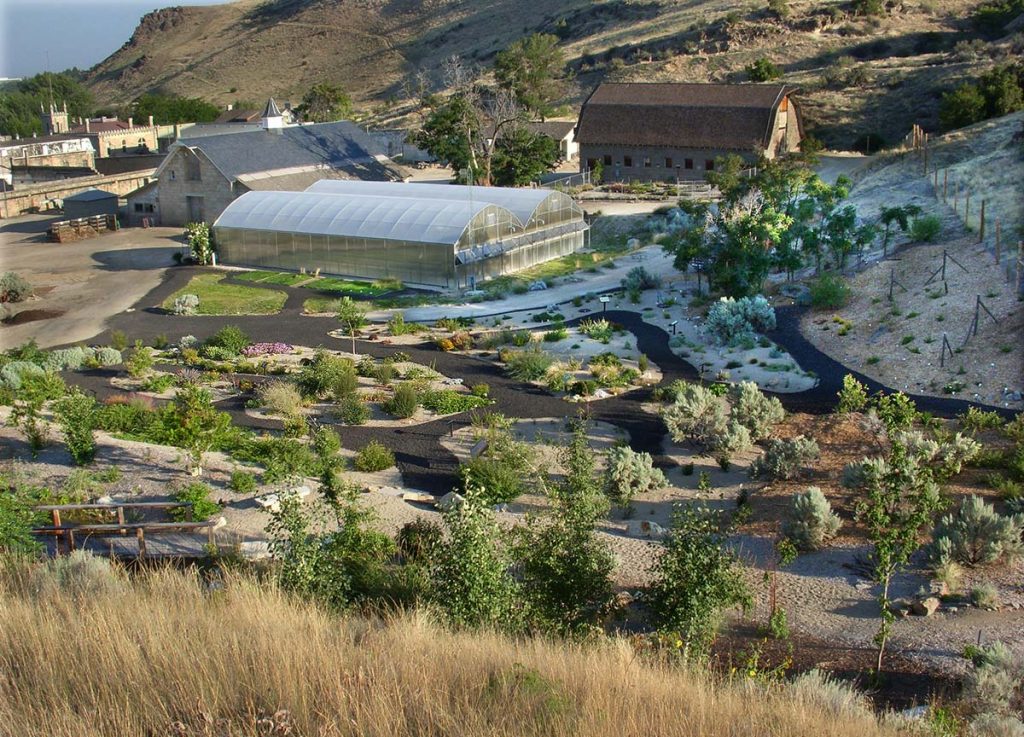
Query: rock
[221, 522]
[938, 588]
[900, 607]
[538, 286]
[478, 447]
[450, 501]
[269, 502]
[105, 499]
[953, 609]
[917, 712]
[633, 243]
[646, 528]
[418, 496]
[254, 549]
[925, 607]
[500, 508]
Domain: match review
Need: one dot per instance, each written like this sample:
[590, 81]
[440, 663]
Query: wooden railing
[66, 534]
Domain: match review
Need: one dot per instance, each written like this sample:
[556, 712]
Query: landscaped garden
[218, 297]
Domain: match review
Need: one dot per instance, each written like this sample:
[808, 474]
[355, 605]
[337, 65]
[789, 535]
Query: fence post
[945, 181]
[981, 224]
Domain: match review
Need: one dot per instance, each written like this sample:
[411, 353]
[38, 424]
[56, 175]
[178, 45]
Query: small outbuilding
[90, 202]
[143, 209]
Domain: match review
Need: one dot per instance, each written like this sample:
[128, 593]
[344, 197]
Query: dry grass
[165, 656]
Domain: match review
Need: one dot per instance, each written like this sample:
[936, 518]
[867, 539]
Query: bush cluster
[811, 523]
[374, 456]
[629, 473]
[975, 534]
[732, 320]
[185, 304]
[14, 288]
[403, 403]
[785, 459]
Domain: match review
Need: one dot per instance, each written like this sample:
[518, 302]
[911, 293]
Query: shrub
[975, 534]
[600, 330]
[198, 495]
[699, 416]
[352, 410]
[280, 398]
[139, 361]
[14, 288]
[985, 596]
[639, 279]
[480, 390]
[829, 291]
[553, 336]
[284, 459]
[398, 326]
[185, 304]
[449, 401]
[374, 456]
[763, 70]
[630, 473]
[82, 575]
[13, 374]
[242, 482]
[327, 374]
[811, 522]
[231, 338]
[77, 414]
[67, 359]
[732, 320]
[528, 365]
[266, 349]
[785, 459]
[946, 459]
[975, 419]
[756, 412]
[925, 229]
[896, 411]
[418, 539]
[326, 442]
[853, 397]
[404, 402]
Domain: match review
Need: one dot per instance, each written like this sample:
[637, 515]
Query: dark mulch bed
[20, 318]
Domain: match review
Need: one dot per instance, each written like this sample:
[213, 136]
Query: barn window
[688, 163]
[647, 162]
[607, 159]
[709, 164]
[627, 161]
[668, 162]
[138, 207]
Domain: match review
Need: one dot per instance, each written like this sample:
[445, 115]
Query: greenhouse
[427, 234]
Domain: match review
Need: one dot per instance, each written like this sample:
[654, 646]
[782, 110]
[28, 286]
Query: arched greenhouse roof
[360, 215]
[522, 202]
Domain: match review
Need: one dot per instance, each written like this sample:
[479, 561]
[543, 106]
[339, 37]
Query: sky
[74, 33]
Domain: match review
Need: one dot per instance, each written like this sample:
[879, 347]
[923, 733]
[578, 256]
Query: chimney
[150, 121]
[131, 123]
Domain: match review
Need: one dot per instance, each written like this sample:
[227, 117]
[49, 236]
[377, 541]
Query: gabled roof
[90, 195]
[103, 125]
[340, 145]
[238, 116]
[556, 129]
[716, 116]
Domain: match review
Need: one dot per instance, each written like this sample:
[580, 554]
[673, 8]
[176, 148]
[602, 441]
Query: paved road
[425, 464]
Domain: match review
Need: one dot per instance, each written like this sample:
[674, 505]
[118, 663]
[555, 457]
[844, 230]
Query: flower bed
[265, 349]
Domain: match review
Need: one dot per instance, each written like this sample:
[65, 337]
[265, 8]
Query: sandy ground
[89, 281]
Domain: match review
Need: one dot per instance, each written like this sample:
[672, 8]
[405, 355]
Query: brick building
[670, 131]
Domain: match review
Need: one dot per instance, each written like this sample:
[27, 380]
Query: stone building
[44, 151]
[201, 177]
[113, 137]
[672, 131]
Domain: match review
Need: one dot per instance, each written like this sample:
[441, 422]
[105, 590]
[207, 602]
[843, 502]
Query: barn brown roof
[717, 116]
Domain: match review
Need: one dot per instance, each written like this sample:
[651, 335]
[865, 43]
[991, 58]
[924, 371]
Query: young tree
[352, 316]
[565, 569]
[896, 215]
[901, 497]
[696, 578]
[36, 390]
[471, 584]
[532, 68]
[961, 107]
[325, 102]
[200, 426]
[522, 157]
[76, 413]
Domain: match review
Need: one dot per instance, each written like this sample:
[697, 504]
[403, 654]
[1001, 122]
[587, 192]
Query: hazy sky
[75, 33]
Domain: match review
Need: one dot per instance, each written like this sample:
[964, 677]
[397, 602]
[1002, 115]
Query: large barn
[670, 131]
[425, 234]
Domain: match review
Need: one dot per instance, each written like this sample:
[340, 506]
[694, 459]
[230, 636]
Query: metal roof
[522, 202]
[359, 216]
[90, 195]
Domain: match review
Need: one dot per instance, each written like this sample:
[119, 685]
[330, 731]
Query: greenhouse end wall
[429, 264]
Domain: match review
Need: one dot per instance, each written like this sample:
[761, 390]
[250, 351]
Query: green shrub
[198, 495]
[925, 229]
[700, 416]
[528, 365]
[985, 596]
[231, 338]
[327, 374]
[14, 288]
[77, 414]
[811, 522]
[639, 279]
[784, 459]
[975, 534]
[242, 482]
[374, 456]
[449, 401]
[480, 390]
[853, 397]
[763, 70]
[139, 361]
[280, 398]
[975, 419]
[629, 473]
[403, 403]
[285, 459]
[553, 336]
[896, 411]
[756, 412]
[352, 410]
[829, 291]
[733, 320]
[600, 330]
[418, 539]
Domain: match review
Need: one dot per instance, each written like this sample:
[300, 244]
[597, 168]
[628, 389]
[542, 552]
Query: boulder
[900, 607]
[450, 501]
[926, 607]
[254, 549]
[418, 497]
[645, 528]
[938, 588]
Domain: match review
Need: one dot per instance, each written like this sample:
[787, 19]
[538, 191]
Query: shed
[90, 202]
[143, 206]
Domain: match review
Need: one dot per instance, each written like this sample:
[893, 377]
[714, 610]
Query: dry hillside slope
[857, 75]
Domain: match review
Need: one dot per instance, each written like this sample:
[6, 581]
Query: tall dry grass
[163, 655]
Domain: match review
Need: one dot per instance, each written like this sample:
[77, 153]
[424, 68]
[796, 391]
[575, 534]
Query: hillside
[857, 75]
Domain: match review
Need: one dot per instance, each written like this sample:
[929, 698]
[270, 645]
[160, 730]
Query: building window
[627, 161]
[138, 207]
[172, 174]
[709, 164]
[647, 162]
[668, 162]
[607, 159]
[687, 163]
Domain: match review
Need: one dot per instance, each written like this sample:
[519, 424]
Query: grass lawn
[345, 286]
[217, 298]
[274, 277]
